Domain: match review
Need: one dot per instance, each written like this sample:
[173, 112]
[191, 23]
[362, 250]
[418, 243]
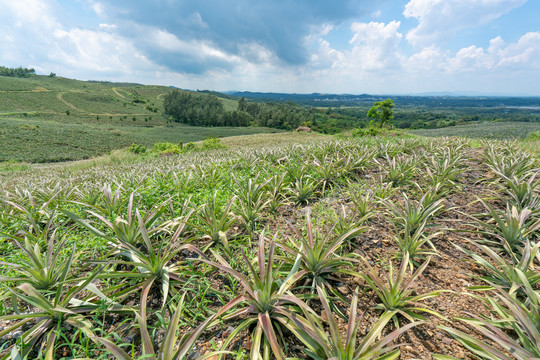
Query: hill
[45, 119]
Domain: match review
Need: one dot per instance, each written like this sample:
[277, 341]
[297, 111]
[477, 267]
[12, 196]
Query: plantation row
[275, 253]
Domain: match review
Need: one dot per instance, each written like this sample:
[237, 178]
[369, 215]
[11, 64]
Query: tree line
[16, 72]
[206, 109]
[203, 109]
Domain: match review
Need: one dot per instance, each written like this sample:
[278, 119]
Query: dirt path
[117, 93]
[59, 97]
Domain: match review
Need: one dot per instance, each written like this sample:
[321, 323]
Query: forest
[16, 72]
[203, 109]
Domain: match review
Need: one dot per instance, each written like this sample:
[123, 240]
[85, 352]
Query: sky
[294, 46]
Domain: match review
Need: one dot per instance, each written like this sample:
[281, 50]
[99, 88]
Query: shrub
[211, 143]
[534, 136]
[137, 149]
[369, 131]
[190, 147]
[166, 147]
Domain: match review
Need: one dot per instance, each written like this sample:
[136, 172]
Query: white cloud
[88, 50]
[375, 45]
[524, 55]
[107, 26]
[28, 12]
[440, 20]
[326, 57]
[428, 59]
[71, 52]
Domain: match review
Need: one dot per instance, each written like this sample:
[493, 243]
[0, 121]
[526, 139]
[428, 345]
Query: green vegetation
[275, 246]
[484, 130]
[205, 109]
[413, 112]
[381, 113]
[16, 72]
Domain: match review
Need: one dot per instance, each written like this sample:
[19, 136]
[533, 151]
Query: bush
[369, 131]
[534, 136]
[166, 148]
[211, 143]
[137, 149]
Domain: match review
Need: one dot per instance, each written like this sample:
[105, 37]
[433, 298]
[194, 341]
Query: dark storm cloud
[279, 26]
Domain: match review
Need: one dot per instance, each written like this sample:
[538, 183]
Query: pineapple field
[277, 246]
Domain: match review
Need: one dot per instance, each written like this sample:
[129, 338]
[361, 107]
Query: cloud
[39, 40]
[280, 27]
[96, 51]
[523, 55]
[430, 58]
[375, 45]
[441, 20]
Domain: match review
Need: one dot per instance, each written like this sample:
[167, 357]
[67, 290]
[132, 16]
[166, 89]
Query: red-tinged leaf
[352, 318]
[148, 348]
[270, 264]
[241, 278]
[334, 331]
[469, 340]
[231, 304]
[261, 257]
[144, 297]
[266, 324]
[188, 343]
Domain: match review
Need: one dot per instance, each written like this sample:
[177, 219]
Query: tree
[382, 111]
[242, 104]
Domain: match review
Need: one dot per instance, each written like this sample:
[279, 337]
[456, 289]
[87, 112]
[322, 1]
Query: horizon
[405, 47]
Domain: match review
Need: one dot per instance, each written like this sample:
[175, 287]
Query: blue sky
[303, 46]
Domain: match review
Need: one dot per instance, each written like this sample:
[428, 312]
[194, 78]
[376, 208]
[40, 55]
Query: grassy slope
[45, 119]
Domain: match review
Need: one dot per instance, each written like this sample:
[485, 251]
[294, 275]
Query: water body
[524, 107]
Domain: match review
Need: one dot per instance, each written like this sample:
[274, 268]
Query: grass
[485, 130]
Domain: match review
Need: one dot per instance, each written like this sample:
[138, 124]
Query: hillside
[46, 119]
